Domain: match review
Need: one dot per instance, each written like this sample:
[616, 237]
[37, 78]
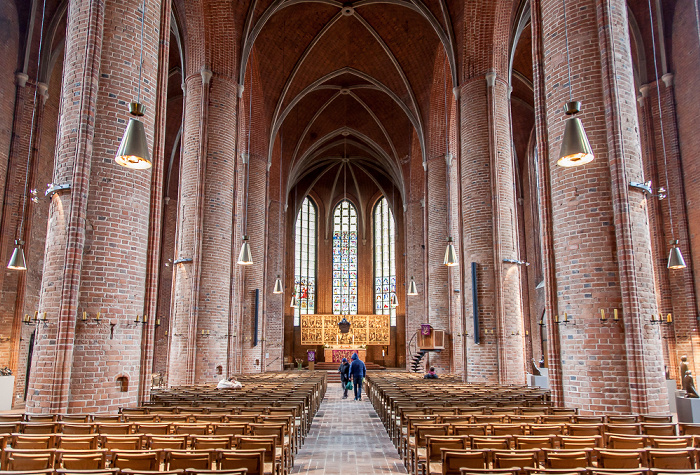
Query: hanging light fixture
[293, 302]
[675, 258]
[133, 150]
[412, 290]
[575, 148]
[17, 260]
[245, 257]
[278, 286]
[450, 254]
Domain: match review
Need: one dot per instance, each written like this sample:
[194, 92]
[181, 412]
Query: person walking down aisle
[344, 371]
[358, 371]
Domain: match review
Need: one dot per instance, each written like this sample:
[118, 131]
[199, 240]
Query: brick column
[201, 303]
[253, 278]
[437, 232]
[273, 329]
[98, 231]
[490, 230]
[415, 267]
[600, 231]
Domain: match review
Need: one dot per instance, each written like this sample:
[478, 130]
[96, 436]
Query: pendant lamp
[394, 301]
[245, 258]
[293, 303]
[278, 286]
[450, 254]
[133, 150]
[675, 258]
[412, 290]
[17, 261]
[575, 148]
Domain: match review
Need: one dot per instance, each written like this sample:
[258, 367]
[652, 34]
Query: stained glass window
[345, 259]
[305, 261]
[384, 260]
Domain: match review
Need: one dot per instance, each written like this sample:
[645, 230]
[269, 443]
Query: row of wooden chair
[253, 454]
[580, 471]
[116, 471]
[446, 456]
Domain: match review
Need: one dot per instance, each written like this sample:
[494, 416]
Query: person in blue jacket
[358, 371]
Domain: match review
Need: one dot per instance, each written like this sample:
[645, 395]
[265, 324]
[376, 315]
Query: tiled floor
[347, 438]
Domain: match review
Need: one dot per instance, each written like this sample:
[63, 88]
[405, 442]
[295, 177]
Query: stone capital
[206, 75]
[22, 79]
[43, 92]
[490, 79]
[667, 79]
[644, 90]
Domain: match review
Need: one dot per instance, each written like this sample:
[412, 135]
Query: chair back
[619, 458]
[672, 459]
[77, 442]
[453, 461]
[202, 460]
[81, 460]
[136, 460]
[252, 460]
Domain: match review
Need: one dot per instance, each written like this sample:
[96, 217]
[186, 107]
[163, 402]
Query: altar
[364, 330]
[335, 355]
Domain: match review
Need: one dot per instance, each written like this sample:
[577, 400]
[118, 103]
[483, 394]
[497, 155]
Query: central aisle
[347, 438]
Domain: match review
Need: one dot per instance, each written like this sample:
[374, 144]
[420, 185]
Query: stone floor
[347, 438]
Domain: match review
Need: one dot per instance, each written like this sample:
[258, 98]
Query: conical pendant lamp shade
[412, 290]
[394, 301]
[278, 286]
[245, 258]
[17, 261]
[575, 148]
[450, 254]
[133, 150]
[293, 303]
[675, 258]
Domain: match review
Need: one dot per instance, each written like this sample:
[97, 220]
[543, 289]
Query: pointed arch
[305, 241]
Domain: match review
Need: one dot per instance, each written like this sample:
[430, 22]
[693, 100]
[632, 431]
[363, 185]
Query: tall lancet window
[305, 260]
[384, 260]
[345, 259]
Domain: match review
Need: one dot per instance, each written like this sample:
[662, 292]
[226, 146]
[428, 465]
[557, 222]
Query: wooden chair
[588, 419]
[656, 471]
[240, 471]
[30, 472]
[69, 428]
[106, 428]
[566, 459]
[268, 444]
[107, 418]
[620, 471]
[41, 417]
[490, 471]
[81, 459]
[683, 459]
[199, 459]
[555, 471]
[619, 458]
[515, 459]
[38, 427]
[136, 459]
[580, 442]
[155, 428]
[688, 429]
[534, 442]
[660, 429]
[453, 461]
[584, 429]
[76, 418]
[622, 419]
[284, 452]
[508, 429]
[656, 419]
[623, 429]
[122, 442]
[678, 442]
[20, 460]
[32, 441]
[417, 443]
[172, 442]
[230, 429]
[546, 429]
[126, 471]
[191, 429]
[434, 446]
[252, 460]
[11, 418]
[469, 429]
[104, 471]
[625, 442]
[77, 442]
[212, 442]
[497, 442]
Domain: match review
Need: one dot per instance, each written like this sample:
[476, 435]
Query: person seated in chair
[431, 374]
[230, 383]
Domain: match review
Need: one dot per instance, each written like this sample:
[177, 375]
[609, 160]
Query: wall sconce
[85, 318]
[527, 333]
[158, 321]
[142, 321]
[516, 261]
[647, 189]
[205, 332]
[563, 321]
[605, 319]
[38, 317]
[661, 320]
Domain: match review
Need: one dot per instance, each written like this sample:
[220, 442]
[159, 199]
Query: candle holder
[668, 320]
[562, 321]
[616, 316]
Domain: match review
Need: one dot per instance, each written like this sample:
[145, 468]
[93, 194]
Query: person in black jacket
[358, 371]
[344, 371]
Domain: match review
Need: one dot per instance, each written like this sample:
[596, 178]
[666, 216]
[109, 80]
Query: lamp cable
[566, 41]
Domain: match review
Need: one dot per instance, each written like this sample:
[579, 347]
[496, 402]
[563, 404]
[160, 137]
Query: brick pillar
[490, 231]
[253, 275]
[674, 287]
[600, 233]
[415, 256]
[98, 230]
[273, 329]
[437, 288]
[201, 303]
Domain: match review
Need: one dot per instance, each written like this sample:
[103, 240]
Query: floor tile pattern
[347, 438]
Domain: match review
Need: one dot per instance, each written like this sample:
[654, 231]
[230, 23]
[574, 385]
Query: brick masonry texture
[250, 106]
